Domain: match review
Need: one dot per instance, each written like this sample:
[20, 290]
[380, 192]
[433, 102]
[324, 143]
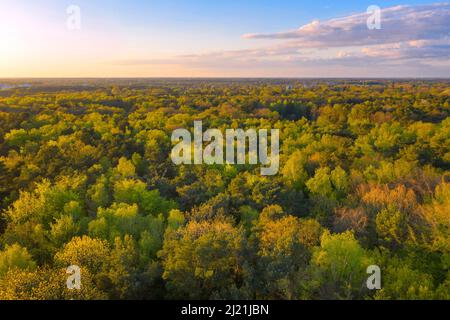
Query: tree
[15, 257]
[392, 226]
[331, 184]
[85, 252]
[201, 259]
[86, 178]
[400, 282]
[321, 184]
[63, 230]
[126, 168]
[282, 243]
[46, 284]
[294, 172]
[123, 270]
[132, 191]
[338, 268]
[99, 194]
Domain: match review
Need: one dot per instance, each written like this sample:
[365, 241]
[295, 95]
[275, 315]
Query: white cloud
[412, 41]
[398, 24]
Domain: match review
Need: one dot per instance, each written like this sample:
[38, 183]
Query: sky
[224, 38]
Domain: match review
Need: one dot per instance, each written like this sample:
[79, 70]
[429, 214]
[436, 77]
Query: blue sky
[211, 38]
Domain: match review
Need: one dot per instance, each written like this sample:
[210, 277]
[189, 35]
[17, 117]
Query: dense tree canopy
[86, 179]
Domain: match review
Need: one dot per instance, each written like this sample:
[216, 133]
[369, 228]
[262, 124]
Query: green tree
[338, 268]
[15, 257]
[201, 259]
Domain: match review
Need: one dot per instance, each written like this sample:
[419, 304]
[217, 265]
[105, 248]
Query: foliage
[86, 179]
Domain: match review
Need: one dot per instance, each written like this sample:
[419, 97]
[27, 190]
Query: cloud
[398, 24]
[409, 51]
[412, 41]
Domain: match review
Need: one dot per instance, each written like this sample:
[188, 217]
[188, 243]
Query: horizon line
[228, 77]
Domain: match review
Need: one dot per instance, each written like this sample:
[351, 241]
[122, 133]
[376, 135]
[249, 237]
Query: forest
[86, 179]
